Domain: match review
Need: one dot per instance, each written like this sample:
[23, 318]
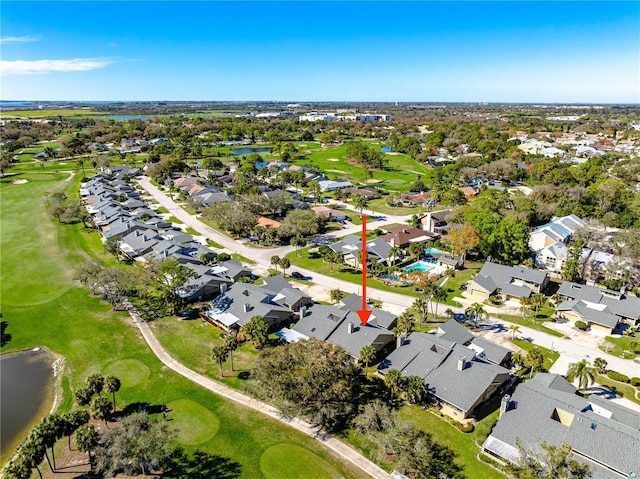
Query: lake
[26, 396]
[387, 149]
[247, 151]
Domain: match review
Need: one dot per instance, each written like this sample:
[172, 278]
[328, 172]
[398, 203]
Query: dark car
[297, 275]
[461, 318]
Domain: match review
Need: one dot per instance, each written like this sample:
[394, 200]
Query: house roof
[509, 279]
[590, 312]
[229, 307]
[331, 324]
[286, 294]
[379, 317]
[453, 331]
[617, 303]
[560, 229]
[352, 244]
[436, 361]
[594, 429]
[403, 235]
[265, 222]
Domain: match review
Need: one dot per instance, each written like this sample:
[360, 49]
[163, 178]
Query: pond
[387, 149]
[247, 151]
[125, 117]
[26, 396]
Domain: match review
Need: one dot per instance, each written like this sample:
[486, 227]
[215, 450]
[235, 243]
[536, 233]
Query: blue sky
[321, 51]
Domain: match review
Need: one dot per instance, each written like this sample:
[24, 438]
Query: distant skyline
[529, 52]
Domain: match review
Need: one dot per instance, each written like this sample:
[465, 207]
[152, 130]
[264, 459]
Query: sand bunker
[19, 182]
[332, 159]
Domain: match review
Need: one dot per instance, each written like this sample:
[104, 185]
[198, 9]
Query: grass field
[550, 356]
[43, 307]
[627, 390]
[306, 258]
[626, 347]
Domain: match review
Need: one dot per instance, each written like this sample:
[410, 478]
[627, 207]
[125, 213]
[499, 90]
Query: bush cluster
[616, 376]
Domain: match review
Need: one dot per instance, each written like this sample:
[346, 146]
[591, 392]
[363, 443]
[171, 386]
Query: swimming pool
[419, 266]
[433, 251]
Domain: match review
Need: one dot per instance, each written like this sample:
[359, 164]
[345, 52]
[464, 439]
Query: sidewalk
[339, 448]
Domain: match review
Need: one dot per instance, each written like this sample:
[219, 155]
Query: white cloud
[23, 39]
[36, 67]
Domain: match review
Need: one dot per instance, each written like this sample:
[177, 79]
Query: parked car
[461, 318]
[297, 275]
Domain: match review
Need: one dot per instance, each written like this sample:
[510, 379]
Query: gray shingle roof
[602, 317]
[453, 331]
[509, 279]
[379, 317]
[619, 304]
[436, 361]
[330, 323]
[592, 428]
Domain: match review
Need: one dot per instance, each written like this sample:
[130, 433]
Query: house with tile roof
[455, 376]
[601, 433]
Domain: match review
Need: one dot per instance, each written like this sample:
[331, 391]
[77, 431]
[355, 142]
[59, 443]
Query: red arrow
[364, 313]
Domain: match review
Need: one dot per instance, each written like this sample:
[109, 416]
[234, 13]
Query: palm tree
[438, 296]
[582, 371]
[514, 329]
[72, 421]
[112, 385]
[299, 242]
[231, 344]
[421, 305]
[31, 455]
[285, 263]
[536, 301]
[535, 358]
[416, 390]
[336, 295]
[275, 261]
[476, 311]
[335, 257]
[393, 379]
[219, 354]
[394, 253]
[87, 439]
[524, 304]
[367, 354]
[601, 365]
[360, 203]
[449, 312]
[101, 408]
[95, 383]
[21, 465]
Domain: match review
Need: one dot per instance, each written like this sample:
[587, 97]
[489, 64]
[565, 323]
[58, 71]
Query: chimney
[462, 362]
[400, 340]
[504, 404]
[350, 327]
[223, 287]
[303, 311]
[247, 307]
[392, 242]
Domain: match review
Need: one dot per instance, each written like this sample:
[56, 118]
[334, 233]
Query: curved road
[339, 448]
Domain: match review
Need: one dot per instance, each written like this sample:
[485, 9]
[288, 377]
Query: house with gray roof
[455, 376]
[351, 245]
[510, 281]
[242, 301]
[120, 227]
[489, 351]
[598, 305]
[343, 328]
[287, 295]
[208, 282]
[558, 230]
[139, 242]
[382, 318]
[601, 433]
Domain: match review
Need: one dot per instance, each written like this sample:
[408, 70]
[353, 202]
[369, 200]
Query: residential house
[558, 230]
[326, 212]
[603, 434]
[436, 221]
[351, 245]
[139, 242]
[287, 295]
[330, 185]
[469, 192]
[379, 317]
[509, 281]
[242, 301]
[210, 281]
[367, 193]
[597, 306]
[403, 236]
[422, 198]
[342, 328]
[455, 376]
[489, 351]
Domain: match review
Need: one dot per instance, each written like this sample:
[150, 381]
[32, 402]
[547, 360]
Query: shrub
[635, 381]
[616, 376]
[582, 325]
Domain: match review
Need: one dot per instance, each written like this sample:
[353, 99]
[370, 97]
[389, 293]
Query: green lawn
[463, 443]
[550, 356]
[626, 347]
[627, 390]
[43, 307]
[306, 258]
[379, 205]
[399, 173]
[452, 285]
